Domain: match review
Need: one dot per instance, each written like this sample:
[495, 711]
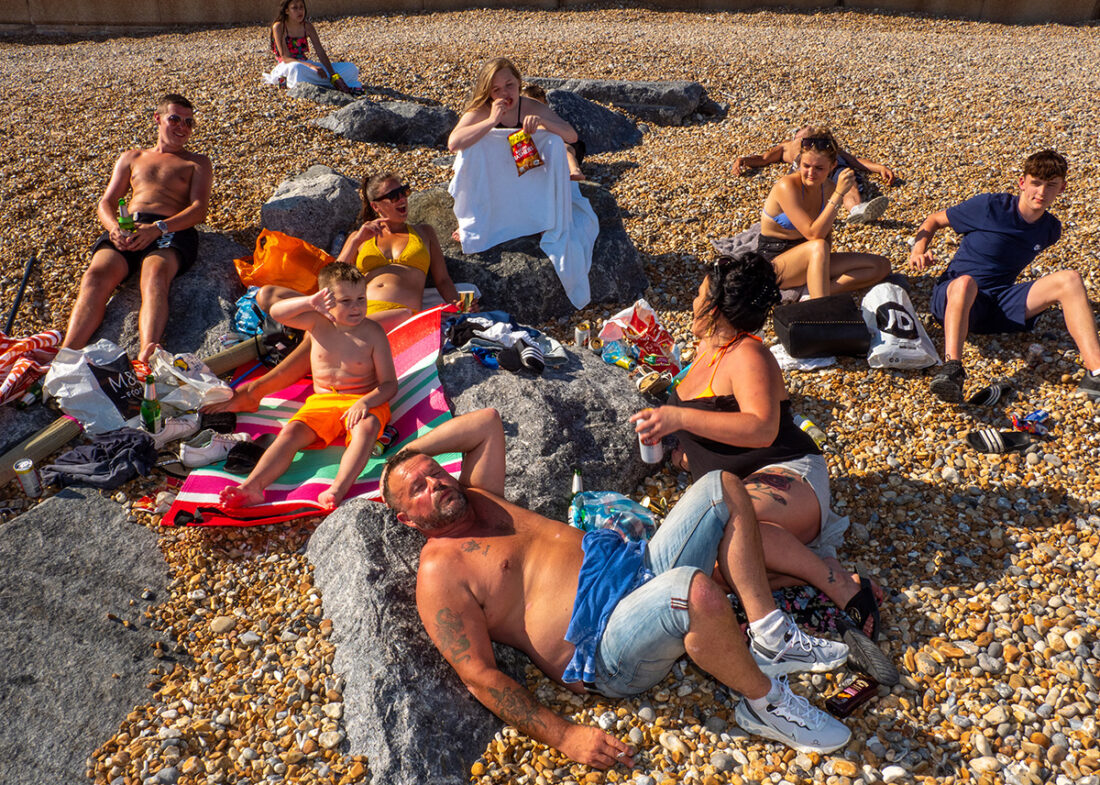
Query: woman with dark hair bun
[732, 413]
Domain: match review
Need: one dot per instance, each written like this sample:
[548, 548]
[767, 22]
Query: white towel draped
[493, 204]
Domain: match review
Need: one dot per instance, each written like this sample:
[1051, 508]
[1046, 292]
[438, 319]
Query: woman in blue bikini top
[798, 217]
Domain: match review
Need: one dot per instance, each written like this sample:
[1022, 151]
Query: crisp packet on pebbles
[524, 151]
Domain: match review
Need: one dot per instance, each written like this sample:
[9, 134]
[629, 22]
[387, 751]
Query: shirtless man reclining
[602, 616]
[171, 193]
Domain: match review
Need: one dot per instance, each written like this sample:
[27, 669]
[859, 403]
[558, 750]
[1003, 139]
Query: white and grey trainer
[797, 652]
[791, 719]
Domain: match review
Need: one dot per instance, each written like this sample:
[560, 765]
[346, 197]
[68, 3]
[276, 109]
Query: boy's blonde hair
[338, 272]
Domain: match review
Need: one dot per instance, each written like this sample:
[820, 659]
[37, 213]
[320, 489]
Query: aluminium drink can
[581, 334]
[385, 439]
[28, 477]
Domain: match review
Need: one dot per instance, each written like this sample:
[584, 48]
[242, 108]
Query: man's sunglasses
[394, 195]
[175, 119]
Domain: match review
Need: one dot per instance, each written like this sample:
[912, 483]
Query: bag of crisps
[524, 151]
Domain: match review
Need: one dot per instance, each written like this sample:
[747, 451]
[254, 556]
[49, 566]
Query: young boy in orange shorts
[353, 381]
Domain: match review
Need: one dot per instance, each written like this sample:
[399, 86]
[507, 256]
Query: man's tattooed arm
[518, 708]
[450, 637]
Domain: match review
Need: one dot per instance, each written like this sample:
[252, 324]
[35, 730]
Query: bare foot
[331, 499]
[239, 496]
[242, 401]
[454, 236]
[147, 352]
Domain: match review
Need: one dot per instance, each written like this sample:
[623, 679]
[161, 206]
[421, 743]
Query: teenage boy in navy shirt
[978, 292]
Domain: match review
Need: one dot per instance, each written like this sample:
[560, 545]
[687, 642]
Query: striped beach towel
[418, 407]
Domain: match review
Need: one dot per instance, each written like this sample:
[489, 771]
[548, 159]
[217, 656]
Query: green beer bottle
[125, 220]
[150, 407]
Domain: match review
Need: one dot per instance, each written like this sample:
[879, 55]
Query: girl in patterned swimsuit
[291, 34]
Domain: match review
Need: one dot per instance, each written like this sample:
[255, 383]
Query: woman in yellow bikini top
[394, 255]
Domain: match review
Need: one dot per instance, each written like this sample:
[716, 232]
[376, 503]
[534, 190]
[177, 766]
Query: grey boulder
[398, 691]
[313, 206]
[574, 415]
[517, 277]
[70, 673]
[201, 303]
[391, 122]
[321, 95]
[16, 424]
[601, 129]
[661, 102]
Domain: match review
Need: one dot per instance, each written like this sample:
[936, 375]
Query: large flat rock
[68, 674]
[517, 277]
[572, 416]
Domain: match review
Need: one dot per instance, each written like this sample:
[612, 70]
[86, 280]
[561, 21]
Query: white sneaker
[791, 719]
[798, 653]
[865, 212]
[176, 428]
[209, 447]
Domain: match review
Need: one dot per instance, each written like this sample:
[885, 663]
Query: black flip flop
[243, 456]
[987, 396]
[991, 440]
[864, 606]
[865, 656]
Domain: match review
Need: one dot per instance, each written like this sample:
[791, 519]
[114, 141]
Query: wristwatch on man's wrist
[162, 226]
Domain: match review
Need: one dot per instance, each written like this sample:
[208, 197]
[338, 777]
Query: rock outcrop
[517, 277]
[313, 206]
[71, 672]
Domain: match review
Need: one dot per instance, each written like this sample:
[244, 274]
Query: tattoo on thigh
[832, 578]
[452, 638]
[762, 495]
[781, 482]
[517, 707]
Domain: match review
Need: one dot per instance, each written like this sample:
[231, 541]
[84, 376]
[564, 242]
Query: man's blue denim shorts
[645, 633]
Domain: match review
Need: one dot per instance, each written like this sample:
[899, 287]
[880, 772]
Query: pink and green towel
[418, 407]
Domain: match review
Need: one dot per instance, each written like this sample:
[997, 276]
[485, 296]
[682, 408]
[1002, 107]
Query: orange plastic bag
[282, 260]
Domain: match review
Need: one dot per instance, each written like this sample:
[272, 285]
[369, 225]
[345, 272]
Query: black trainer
[1090, 386]
[948, 383]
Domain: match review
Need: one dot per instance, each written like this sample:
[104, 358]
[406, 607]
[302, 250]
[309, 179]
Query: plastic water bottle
[811, 429]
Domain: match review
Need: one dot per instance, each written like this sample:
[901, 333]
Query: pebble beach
[990, 562]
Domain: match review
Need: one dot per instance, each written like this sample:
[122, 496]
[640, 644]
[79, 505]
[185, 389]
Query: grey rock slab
[517, 277]
[391, 122]
[398, 689]
[661, 102]
[68, 563]
[17, 424]
[313, 205]
[322, 95]
[601, 129]
[201, 303]
[573, 415]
